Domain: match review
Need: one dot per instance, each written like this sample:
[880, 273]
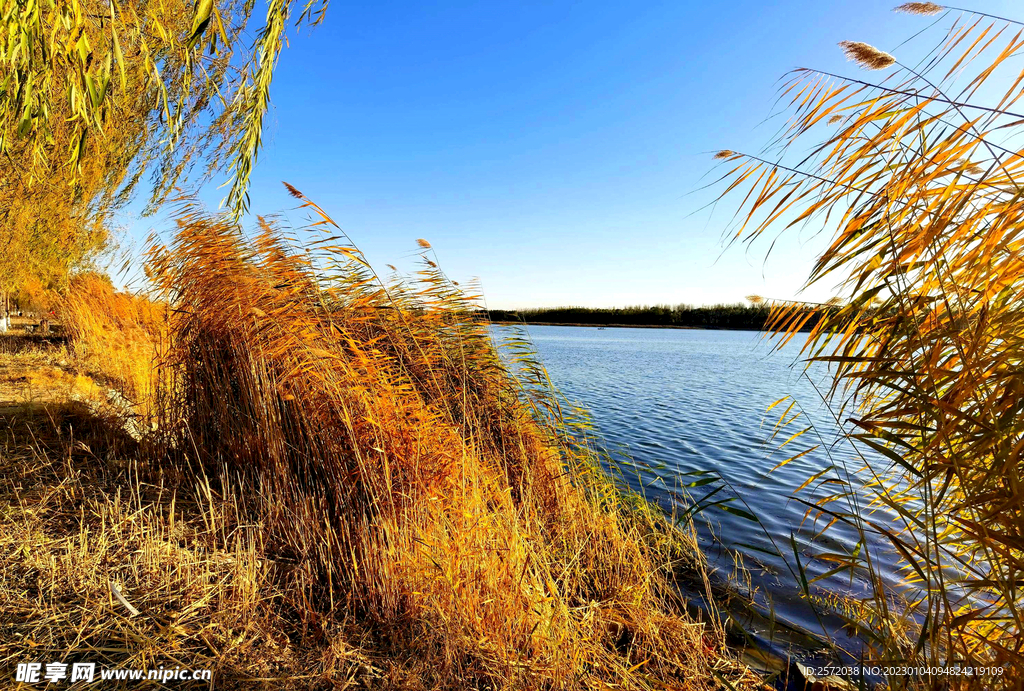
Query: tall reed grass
[413, 494]
[118, 336]
[920, 176]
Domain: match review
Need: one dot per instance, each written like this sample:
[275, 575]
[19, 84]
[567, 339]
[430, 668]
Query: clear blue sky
[548, 148]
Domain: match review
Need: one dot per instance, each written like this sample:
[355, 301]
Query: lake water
[679, 401]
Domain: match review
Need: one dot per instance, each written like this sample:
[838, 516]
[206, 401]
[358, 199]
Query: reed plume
[866, 56]
[920, 8]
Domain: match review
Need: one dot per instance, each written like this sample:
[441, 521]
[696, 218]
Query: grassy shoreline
[90, 509]
[350, 474]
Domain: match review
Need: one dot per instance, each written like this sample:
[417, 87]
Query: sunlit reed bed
[407, 485]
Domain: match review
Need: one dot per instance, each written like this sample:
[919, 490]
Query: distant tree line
[736, 316]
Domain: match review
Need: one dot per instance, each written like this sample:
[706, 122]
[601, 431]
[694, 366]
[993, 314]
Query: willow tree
[98, 95]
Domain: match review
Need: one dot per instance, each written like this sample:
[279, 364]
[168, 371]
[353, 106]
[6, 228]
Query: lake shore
[48, 390]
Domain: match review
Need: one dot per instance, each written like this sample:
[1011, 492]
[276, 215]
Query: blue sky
[549, 148]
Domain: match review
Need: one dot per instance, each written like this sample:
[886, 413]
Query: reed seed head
[866, 56]
[967, 166]
[834, 119]
[724, 153]
[921, 8]
[423, 243]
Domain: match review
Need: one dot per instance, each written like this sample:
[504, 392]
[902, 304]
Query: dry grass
[33, 373]
[347, 485]
[80, 512]
[117, 337]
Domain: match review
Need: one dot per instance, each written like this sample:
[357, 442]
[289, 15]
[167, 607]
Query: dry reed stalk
[929, 340]
[117, 336]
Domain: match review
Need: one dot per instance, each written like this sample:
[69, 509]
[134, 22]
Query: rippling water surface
[680, 401]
